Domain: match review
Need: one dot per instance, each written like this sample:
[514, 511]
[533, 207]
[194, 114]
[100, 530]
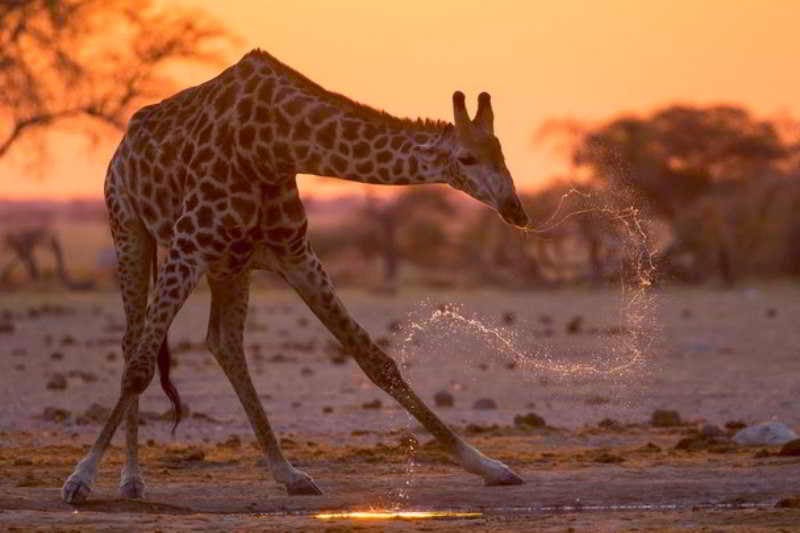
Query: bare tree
[90, 61]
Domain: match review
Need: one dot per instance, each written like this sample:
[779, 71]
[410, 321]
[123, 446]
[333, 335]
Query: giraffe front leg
[225, 340]
[314, 286]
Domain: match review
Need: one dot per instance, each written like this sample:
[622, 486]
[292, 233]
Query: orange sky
[539, 59]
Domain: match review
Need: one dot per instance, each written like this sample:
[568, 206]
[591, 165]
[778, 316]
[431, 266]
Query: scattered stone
[67, 340]
[485, 404]
[575, 325]
[650, 448]
[610, 424]
[280, 358]
[735, 425]
[6, 327]
[443, 398]
[111, 356]
[509, 317]
[56, 356]
[95, 414]
[772, 312]
[55, 414]
[791, 448]
[306, 372]
[710, 430]
[302, 322]
[476, 429]
[511, 365]
[792, 502]
[765, 434]
[483, 366]
[19, 367]
[295, 405]
[664, 418]
[57, 382]
[327, 409]
[698, 441]
[686, 313]
[374, 404]
[530, 420]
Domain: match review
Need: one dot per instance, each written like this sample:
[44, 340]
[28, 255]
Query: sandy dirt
[714, 356]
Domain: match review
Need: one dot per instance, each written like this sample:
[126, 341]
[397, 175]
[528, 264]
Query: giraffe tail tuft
[164, 360]
[164, 364]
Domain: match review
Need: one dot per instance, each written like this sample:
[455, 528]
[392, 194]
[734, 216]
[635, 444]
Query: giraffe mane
[339, 100]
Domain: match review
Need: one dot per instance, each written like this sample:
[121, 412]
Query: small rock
[772, 312]
[610, 424]
[530, 420]
[305, 372]
[57, 382]
[374, 404]
[67, 340]
[789, 503]
[443, 399]
[710, 430]
[765, 434]
[6, 327]
[735, 425]
[664, 418]
[791, 448]
[485, 404]
[111, 356]
[55, 414]
[95, 414]
[575, 325]
[56, 356]
[327, 409]
[509, 317]
[395, 326]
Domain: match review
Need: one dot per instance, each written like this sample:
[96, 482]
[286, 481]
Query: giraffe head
[476, 163]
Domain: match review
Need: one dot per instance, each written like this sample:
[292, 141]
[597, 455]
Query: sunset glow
[588, 60]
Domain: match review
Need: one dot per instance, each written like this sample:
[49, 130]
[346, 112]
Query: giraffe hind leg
[176, 280]
[225, 340]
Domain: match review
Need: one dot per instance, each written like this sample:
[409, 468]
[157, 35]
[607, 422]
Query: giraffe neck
[356, 149]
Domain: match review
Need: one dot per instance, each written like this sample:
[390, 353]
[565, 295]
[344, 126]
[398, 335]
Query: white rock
[767, 433]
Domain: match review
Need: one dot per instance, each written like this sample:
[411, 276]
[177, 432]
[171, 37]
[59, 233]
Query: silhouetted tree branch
[97, 59]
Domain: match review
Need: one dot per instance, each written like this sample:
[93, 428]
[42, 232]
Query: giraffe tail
[164, 364]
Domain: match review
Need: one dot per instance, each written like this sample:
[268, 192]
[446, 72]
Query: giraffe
[209, 175]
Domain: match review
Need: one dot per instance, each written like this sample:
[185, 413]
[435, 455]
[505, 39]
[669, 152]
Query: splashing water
[619, 359]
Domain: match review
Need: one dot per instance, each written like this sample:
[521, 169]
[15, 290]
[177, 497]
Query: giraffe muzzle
[513, 213]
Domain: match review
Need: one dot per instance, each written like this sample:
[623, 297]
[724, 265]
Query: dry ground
[714, 356]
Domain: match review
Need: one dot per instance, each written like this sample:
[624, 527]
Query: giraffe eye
[467, 160]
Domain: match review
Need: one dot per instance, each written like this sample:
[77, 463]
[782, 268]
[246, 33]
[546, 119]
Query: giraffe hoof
[507, 477]
[75, 491]
[132, 489]
[303, 487]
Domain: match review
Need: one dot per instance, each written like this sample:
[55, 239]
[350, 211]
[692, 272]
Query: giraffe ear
[460, 116]
[484, 118]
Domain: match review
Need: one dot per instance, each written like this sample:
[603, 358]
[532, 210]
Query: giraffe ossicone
[209, 175]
